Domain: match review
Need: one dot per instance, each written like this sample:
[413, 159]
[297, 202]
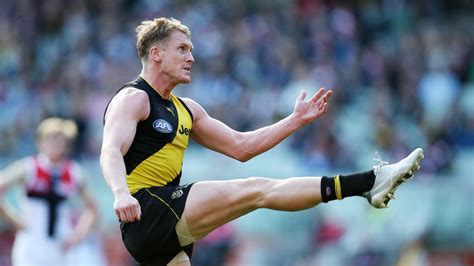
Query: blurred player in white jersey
[45, 231]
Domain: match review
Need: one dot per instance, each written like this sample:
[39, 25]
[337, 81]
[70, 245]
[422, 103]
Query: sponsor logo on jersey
[162, 126]
[177, 194]
[170, 110]
[184, 131]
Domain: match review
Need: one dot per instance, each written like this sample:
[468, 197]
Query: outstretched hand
[308, 111]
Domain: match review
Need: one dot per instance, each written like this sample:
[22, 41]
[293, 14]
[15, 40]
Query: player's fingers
[325, 108]
[122, 215]
[130, 213]
[302, 95]
[134, 213]
[318, 95]
[321, 102]
[324, 99]
[329, 93]
[139, 212]
[117, 213]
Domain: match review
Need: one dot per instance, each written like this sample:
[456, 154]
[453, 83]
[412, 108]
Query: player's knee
[258, 187]
[258, 182]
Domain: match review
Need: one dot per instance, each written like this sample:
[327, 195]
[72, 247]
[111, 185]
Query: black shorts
[153, 239]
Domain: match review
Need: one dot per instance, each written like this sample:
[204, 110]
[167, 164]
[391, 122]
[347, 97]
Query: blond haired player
[44, 229]
[147, 129]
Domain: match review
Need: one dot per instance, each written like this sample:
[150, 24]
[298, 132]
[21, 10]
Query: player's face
[177, 57]
[54, 145]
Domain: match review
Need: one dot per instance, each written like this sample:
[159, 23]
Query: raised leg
[211, 204]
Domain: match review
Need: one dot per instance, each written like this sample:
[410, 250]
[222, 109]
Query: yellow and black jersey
[155, 157]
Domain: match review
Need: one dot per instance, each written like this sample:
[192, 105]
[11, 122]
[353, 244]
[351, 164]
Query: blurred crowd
[402, 71]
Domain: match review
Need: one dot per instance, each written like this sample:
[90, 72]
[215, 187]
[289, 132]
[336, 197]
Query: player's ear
[156, 53]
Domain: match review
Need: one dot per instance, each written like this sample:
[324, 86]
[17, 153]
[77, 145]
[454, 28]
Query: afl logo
[162, 126]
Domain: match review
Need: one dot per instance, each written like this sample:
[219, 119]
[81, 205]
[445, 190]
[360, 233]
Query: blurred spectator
[412, 61]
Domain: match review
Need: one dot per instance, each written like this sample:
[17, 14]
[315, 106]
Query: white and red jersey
[39, 180]
[46, 210]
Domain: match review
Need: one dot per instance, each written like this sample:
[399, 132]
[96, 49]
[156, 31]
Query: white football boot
[389, 176]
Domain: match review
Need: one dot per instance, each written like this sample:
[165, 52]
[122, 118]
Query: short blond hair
[156, 30]
[55, 125]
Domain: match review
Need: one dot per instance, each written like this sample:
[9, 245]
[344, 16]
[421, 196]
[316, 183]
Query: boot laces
[380, 161]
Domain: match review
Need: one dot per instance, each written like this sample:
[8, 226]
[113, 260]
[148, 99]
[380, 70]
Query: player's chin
[186, 79]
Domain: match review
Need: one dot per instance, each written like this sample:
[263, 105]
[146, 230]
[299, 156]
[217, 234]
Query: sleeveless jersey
[46, 211]
[47, 190]
[155, 156]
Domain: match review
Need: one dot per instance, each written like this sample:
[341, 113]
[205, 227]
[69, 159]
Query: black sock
[328, 190]
[346, 186]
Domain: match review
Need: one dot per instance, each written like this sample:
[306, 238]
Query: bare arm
[86, 220]
[126, 109]
[13, 174]
[10, 217]
[243, 146]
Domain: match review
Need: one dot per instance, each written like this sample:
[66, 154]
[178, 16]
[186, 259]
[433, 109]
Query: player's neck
[51, 159]
[160, 84]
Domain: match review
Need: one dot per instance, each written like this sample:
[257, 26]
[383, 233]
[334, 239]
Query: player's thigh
[181, 259]
[213, 203]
